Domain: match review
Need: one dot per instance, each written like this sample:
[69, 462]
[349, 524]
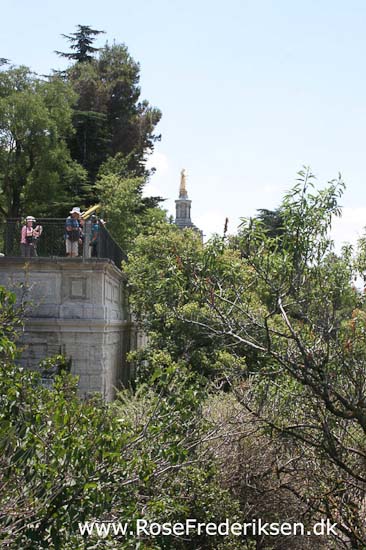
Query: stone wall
[79, 308]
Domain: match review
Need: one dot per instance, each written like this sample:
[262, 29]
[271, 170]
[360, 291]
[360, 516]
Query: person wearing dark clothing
[73, 233]
[94, 236]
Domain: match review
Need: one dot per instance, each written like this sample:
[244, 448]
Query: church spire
[183, 206]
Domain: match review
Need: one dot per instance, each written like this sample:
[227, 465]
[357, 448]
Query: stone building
[77, 307]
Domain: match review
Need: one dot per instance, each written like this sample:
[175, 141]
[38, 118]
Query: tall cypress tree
[81, 44]
[109, 117]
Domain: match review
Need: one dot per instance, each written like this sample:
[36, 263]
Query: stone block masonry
[77, 307]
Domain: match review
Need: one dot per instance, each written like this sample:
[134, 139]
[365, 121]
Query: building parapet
[77, 307]
[51, 242]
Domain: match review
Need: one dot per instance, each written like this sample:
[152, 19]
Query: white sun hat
[30, 219]
[75, 210]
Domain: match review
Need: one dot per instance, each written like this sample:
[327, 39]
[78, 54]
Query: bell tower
[183, 204]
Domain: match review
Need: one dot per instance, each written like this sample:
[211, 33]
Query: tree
[272, 220]
[109, 118]
[127, 211]
[163, 271]
[65, 461]
[305, 333]
[36, 171]
[81, 44]
[289, 324]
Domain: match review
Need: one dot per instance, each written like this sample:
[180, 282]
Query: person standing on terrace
[94, 236]
[28, 238]
[74, 233]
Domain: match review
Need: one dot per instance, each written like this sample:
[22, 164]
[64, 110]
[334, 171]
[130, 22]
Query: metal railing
[51, 243]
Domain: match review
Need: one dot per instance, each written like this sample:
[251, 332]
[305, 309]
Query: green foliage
[57, 135]
[64, 460]
[10, 323]
[280, 310]
[109, 118]
[172, 277]
[126, 210]
[81, 44]
[36, 171]
[272, 221]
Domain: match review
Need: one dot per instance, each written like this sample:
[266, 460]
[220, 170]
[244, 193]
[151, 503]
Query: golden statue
[182, 189]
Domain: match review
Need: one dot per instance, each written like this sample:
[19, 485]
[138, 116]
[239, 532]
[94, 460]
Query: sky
[250, 92]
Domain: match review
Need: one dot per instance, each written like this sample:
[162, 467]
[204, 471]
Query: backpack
[29, 236]
[74, 235]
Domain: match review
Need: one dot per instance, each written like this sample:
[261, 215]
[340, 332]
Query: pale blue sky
[249, 90]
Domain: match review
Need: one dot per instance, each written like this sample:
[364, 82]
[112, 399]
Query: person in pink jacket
[28, 238]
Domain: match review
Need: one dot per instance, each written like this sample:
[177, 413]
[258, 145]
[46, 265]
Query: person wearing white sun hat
[73, 233]
[28, 238]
